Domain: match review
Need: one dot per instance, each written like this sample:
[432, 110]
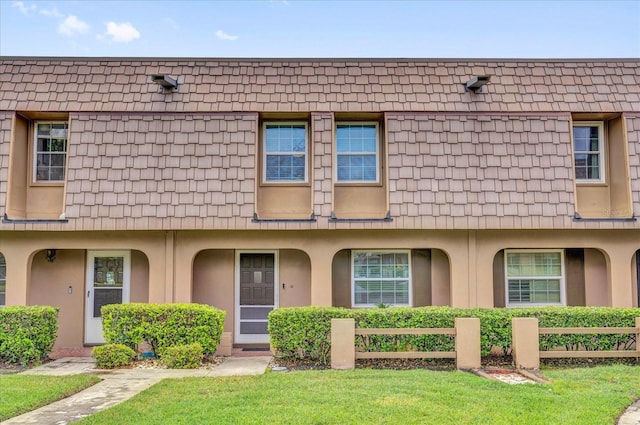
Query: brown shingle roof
[209, 85]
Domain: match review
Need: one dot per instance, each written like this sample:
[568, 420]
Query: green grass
[22, 393]
[576, 396]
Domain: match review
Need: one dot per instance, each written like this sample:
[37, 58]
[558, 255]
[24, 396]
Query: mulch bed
[504, 362]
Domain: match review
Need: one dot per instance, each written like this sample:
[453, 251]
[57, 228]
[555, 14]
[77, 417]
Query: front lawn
[580, 396]
[22, 393]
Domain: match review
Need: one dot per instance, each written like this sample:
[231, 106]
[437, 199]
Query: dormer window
[588, 143]
[50, 151]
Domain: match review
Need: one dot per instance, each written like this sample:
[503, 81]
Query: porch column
[459, 269]
[484, 276]
[18, 261]
[321, 265]
[619, 276]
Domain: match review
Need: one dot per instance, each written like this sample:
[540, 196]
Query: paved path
[118, 385]
[631, 416]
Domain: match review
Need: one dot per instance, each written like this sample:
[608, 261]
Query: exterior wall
[183, 267]
[295, 278]
[175, 176]
[61, 284]
[425, 289]
[213, 281]
[50, 284]
[440, 278]
[595, 278]
[612, 198]
[444, 171]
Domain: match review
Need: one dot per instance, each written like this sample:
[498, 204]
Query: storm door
[255, 294]
[108, 275]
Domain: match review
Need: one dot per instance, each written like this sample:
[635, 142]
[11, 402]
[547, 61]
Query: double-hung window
[50, 151]
[534, 277]
[357, 152]
[285, 153]
[381, 277]
[588, 150]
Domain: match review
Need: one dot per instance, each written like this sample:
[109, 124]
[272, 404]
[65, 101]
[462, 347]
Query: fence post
[467, 343]
[525, 342]
[638, 337]
[343, 349]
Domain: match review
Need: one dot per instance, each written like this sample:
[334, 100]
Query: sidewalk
[119, 385]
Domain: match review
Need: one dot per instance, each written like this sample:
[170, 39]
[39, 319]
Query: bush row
[163, 325]
[27, 334]
[304, 332]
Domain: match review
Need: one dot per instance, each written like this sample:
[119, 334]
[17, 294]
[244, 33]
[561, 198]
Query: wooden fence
[466, 333]
[526, 342]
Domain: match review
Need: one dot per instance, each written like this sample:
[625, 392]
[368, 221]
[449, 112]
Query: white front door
[108, 282]
[256, 295]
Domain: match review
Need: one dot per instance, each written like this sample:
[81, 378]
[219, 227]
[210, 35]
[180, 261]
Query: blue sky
[294, 28]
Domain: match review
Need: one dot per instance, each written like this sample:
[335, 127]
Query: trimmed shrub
[183, 356]
[304, 332]
[109, 356]
[27, 333]
[163, 325]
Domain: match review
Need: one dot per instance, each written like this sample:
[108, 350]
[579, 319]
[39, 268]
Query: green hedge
[163, 325]
[183, 356]
[304, 332]
[109, 356]
[27, 334]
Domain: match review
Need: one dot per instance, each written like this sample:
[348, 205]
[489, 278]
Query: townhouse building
[253, 184]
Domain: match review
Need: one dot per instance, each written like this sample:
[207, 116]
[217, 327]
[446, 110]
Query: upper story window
[381, 277]
[50, 151]
[357, 152]
[534, 277]
[588, 149]
[285, 153]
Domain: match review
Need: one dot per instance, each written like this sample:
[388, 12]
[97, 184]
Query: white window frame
[377, 152]
[36, 152]
[380, 251]
[264, 152]
[562, 278]
[601, 150]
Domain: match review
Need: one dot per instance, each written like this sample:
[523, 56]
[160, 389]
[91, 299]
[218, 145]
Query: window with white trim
[3, 280]
[357, 152]
[534, 277]
[50, 153]
[285, 152]
[381, 277]
[588, 151]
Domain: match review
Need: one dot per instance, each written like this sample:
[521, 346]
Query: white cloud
[122, 33]
[72, 26]
[23, 7]
[224, 36]
[51, 12]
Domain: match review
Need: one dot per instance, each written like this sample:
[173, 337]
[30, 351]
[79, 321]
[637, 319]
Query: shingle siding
[156, 171]
[209, 85]
[5, 139]
[476, 169]
[142, 159]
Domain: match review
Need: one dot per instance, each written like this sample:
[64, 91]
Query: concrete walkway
[631, 416]
[118, 385]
